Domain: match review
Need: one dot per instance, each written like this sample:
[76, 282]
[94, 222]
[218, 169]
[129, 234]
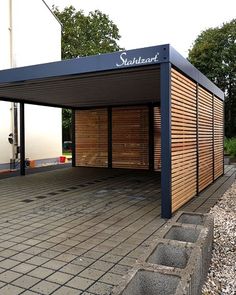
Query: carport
[145, 109]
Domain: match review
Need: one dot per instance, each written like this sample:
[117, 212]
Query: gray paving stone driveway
[75, 230]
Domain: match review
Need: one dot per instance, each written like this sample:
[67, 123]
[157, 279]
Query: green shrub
[230, 146]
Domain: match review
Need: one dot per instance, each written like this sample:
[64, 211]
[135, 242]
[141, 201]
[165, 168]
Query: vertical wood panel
[183, 139]
[157, 139]
[218, 137]
[205, 138]
[91, 127]
[130, 137]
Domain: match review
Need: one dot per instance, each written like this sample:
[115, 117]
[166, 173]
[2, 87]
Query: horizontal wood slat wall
[130, 137]
[183, 139]
[218, 137]
[91, 128]
[157, 139]
[205, 138]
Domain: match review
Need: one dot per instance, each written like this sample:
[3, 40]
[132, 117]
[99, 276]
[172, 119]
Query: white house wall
[5, 52]
[42, 136]
[5, 130]
[36, 38]
[40, 41]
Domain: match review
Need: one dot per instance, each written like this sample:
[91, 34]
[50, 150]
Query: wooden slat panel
[157, 139]
[218, 137]
[130, 138]
[91, 129]
[183, 139]
[205, 138]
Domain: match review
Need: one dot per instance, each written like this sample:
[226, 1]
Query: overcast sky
[155, 22]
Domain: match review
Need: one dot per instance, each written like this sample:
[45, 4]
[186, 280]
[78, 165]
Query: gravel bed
[221, 278]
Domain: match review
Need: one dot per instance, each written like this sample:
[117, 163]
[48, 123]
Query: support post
[109, 110]
[151, 137]
[197, 141]
[165, 84]
[22, 138]
[73, 140]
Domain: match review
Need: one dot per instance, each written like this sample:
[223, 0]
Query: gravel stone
[221, 279]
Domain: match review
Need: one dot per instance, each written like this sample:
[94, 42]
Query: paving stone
[93, 254]
[41, 272]
[24, 268]
[76, 251]
[80, 283]
[111, 278]
[54, 264]
[128, 261]
[26, 281]
[67, 291]
[73, 269]
[101, 288]
[9, 276]
[31, 242]
[59, 278]
[111, 258]
[11, 290]
[36, 260]
[92, 274]
[22, 256]
[120, 269]
[34, 250]
[8, 253]
[9, 263]
[102, 265]
[49, 254]
[66, 257]
[45, 287]
[83, 261]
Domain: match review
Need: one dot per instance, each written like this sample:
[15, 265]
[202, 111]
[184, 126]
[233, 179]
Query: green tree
[214, 54]
[84, 35]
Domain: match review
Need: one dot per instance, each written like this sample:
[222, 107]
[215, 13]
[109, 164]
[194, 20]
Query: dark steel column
[197, 141]
[109, 110]
[22, 138]
[151, 137]
[166, 198]
[73, 139]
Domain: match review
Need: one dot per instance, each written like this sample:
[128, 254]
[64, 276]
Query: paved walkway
[74, 231]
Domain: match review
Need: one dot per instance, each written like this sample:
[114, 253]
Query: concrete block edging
[176, 262]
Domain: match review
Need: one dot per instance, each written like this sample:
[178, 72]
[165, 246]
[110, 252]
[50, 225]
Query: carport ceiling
[117, 87]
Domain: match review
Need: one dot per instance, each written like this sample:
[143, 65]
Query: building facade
[29, 34]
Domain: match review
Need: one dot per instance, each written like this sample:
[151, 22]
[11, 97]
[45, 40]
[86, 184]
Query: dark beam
[22, 138]
[166, 197]
[73, 139]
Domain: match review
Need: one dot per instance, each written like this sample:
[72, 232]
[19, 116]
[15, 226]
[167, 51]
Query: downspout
[14, 106]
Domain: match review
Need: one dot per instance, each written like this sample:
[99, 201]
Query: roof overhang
[126, 77]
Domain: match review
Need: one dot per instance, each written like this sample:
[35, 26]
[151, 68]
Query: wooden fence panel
[91, 133]
[218, 137]
[157, 139]
[205, 138]
[183, 139]
[130, 138]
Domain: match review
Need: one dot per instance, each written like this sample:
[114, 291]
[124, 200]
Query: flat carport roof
[117, 78]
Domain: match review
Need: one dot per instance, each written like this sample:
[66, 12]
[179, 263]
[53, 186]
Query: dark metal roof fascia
[186, 67]
[90, 64]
